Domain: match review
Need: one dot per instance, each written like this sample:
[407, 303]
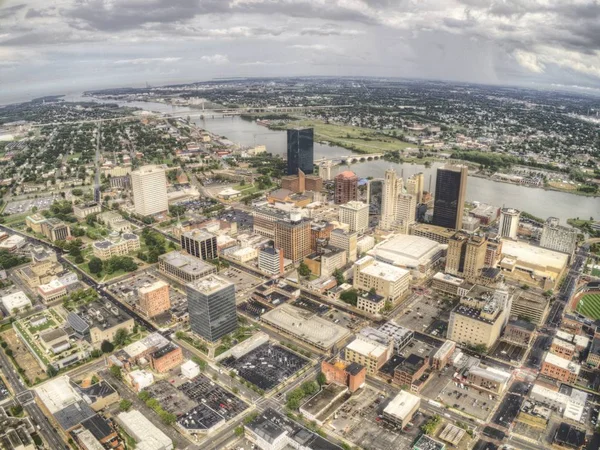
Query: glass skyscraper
[450, 191]
[374, 195]
[300, 150]
[211, 305]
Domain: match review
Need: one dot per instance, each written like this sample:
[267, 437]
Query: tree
[239, 431]
[106, 347]
[350, 297]
[116, 372]
[120, 337]
[51, 371]
[125, 404]
[372, 291]
[95, 265]
[303, 270]
[144, 396]
[321, 379]
[339, 276]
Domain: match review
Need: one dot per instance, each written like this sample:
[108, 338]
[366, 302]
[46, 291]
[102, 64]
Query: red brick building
[352, 375]
[166, 358]
[346, 187]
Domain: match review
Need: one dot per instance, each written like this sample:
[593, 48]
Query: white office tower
[557, 237]
[325, 170]
[392, 187]
[414, 186]
[406, 212]
[509, 223]
[356, 215]
[149, 184]
[504, 298]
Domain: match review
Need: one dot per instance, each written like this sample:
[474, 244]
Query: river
[539, 202]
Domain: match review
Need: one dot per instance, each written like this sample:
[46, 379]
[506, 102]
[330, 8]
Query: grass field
[589, 306]
[364, 140]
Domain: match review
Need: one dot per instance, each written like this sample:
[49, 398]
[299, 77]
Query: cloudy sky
[57, 46]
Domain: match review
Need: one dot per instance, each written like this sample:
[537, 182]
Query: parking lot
[426, 314]
[508, 410]
[508, 352]
[24, 206]
[253, 308]
[359, 421]
[244, 282]
[468, 400]
[203, 391]
[266, 366]
[4, 393]
[171, 399]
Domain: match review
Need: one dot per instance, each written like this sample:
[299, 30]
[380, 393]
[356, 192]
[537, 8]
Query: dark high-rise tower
[450, 191]
[300, 150]
[211, 305]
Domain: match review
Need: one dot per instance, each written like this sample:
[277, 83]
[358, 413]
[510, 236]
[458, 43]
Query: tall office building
[211, 305]
[392, 187]
[270, 260]
[355, 215]
[346, 187]
[154, 298]
[508, 225]
[293, 237]
[466, 255]
[557, 237]
[149, 184]
[300, 150]
[325, 170]
[346, 240]
[200, 243]
[405, 212]
[414, 186]
[450, 192]
[374, 193]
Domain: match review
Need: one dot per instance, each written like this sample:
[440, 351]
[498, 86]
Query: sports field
[589, 305]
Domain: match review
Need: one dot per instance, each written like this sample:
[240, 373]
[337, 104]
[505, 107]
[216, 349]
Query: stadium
[587, 301]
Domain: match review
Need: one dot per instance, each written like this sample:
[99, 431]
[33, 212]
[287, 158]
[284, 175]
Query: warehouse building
[402, 408]
[306, 327]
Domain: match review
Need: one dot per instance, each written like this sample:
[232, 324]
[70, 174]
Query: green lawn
[246, 189]
[589, 306]
[596, 272]
[364, 140]
[47, 324]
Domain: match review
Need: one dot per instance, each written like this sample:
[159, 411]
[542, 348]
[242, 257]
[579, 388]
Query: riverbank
[544, 188]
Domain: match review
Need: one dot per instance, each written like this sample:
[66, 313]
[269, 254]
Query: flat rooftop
[369, 349]
[198, 235]
[382, 270]
[306, 325]
[402, 405]
[489, 373]
[152, 287]
[186, 263]
[102, 316]
[562, 363]
[406, 250]
[530, 255]
[210, 284]
[446, 278]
